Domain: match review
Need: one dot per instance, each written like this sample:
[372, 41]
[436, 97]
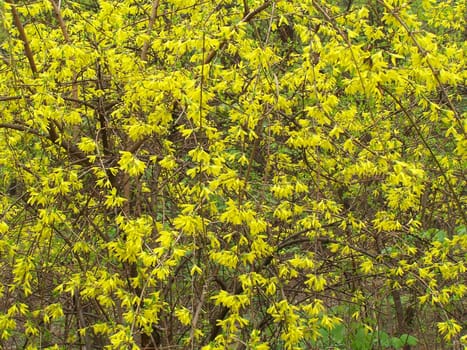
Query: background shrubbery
[233, 174]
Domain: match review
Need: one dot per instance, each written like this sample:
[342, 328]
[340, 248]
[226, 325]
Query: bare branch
[24, 38]
[60, 20]
[20, 127]
[10, 98]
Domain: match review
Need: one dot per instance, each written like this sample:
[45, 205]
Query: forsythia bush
[229, 174]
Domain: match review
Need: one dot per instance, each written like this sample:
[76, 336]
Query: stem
[24, 38]
[152, 20]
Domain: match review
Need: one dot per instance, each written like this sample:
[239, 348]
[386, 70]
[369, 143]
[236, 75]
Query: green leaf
[396, 342]
[408, 340]
[362, 340]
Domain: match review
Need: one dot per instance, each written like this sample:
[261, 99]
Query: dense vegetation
[233, 174]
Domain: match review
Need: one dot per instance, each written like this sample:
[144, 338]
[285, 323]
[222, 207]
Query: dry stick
[152, 20]
[101, 111]
[256, 11]
[246, 9]
[24, 38]
[245, 19]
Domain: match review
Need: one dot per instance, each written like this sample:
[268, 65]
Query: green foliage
[361, 337]
[232, 175]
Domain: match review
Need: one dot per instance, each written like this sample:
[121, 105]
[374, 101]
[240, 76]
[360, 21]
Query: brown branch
[20, 127]
[152, 20]
[213, 52]
[24, 38]
[72, 150]
[137, 145]
[256, 11]
[10, 98]
[246, 9]
[60, 20]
